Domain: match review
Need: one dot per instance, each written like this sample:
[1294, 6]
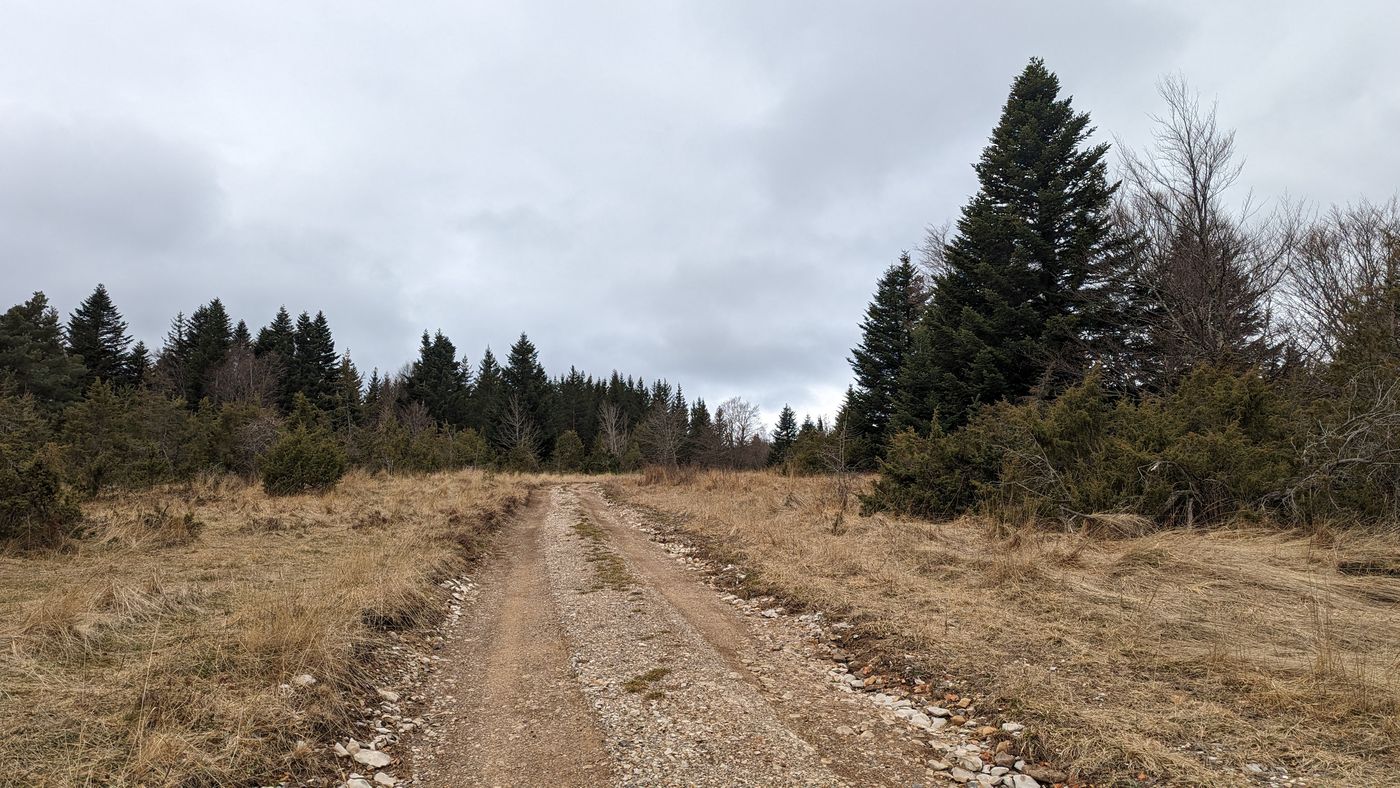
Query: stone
[1046, 774]
[960, 774]
[373, 758]
[971, 764]
[386, 780]
[920, 720]
[937, 711]
[998, 771]
[1023, 781]
[1012, 727]
[1004, 759]
[935, 723]
[986, 730]
[845, 730]
[304, 680]
[939, 766]
[358, 782]
[958, 719]
[352, 746]
[389, 695]
[339, 749]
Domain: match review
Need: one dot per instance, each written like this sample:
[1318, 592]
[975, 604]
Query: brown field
[1131, 658]
[151, 651]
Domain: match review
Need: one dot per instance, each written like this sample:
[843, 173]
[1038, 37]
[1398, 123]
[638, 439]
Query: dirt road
[592, 657]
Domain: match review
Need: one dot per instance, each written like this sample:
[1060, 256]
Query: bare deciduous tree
[1347, 256]
[517, 433]
[662, 434]
[1204, 274]
[612, 423]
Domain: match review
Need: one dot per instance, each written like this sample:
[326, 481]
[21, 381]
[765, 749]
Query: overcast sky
[704, 191]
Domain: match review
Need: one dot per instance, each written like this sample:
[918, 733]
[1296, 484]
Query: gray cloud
[697, 190]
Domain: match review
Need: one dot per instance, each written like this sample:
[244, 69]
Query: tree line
[84, 407]
[1145, 341]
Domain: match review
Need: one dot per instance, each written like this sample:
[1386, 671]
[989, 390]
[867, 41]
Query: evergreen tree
[314, 361]
[97, 335]
[242, 337]
[138, 365]
[887, 340]
[277, 337]
[207, 341]
[484, 400]
[784, 436]
[439, 381]
[527, 390]
[32, 354]
[277, 342]
[1006, 307]
[348, 401]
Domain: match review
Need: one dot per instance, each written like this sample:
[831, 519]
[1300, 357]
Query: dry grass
[150, 652]
[1127, 651]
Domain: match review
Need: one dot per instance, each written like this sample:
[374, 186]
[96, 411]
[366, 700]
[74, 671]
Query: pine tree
[568, 453]
[33, 356]
[1006, 307]
[439, 381]
[887, 340]
[97, 335]
[784, 436]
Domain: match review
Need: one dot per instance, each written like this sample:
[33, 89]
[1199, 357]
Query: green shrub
[34, 509]
[568, 453]
[302, 460]
[1217, 446]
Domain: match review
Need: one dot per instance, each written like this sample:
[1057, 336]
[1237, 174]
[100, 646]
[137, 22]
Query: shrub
[302, 460]
[1215, 447]
[34, 509]
[568, 453]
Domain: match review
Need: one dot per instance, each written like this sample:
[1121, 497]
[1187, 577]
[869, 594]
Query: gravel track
[592, 657]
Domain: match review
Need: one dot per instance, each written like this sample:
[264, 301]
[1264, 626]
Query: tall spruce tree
[526, 390]
[784, 435]
[1005, 309]
[207, 341]
[887, 341]
[439, 381]
[97, 335]
[314, 361]
[277, 342]
[484, 401]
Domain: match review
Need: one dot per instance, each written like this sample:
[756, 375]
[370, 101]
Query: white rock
[960, 774]
[920, 720]
[935, 723]
[1012, 727]
[937, 711]
[1024, 781]
[904, 712]
[357, 782]
[939, 766]
[392, 697]
[339, 749]
[380, 778]
[304, 680]
[352, 746]
[373, 758]
[845, 730]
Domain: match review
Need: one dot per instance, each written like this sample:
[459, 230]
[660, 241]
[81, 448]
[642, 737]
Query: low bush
[302, 460]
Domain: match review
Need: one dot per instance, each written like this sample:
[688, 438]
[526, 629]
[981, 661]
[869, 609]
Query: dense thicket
[1148, 348]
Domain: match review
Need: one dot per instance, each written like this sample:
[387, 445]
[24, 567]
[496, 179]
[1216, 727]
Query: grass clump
[643, 682]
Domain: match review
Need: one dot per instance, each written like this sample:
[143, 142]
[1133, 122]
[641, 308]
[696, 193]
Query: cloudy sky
[704, 191]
